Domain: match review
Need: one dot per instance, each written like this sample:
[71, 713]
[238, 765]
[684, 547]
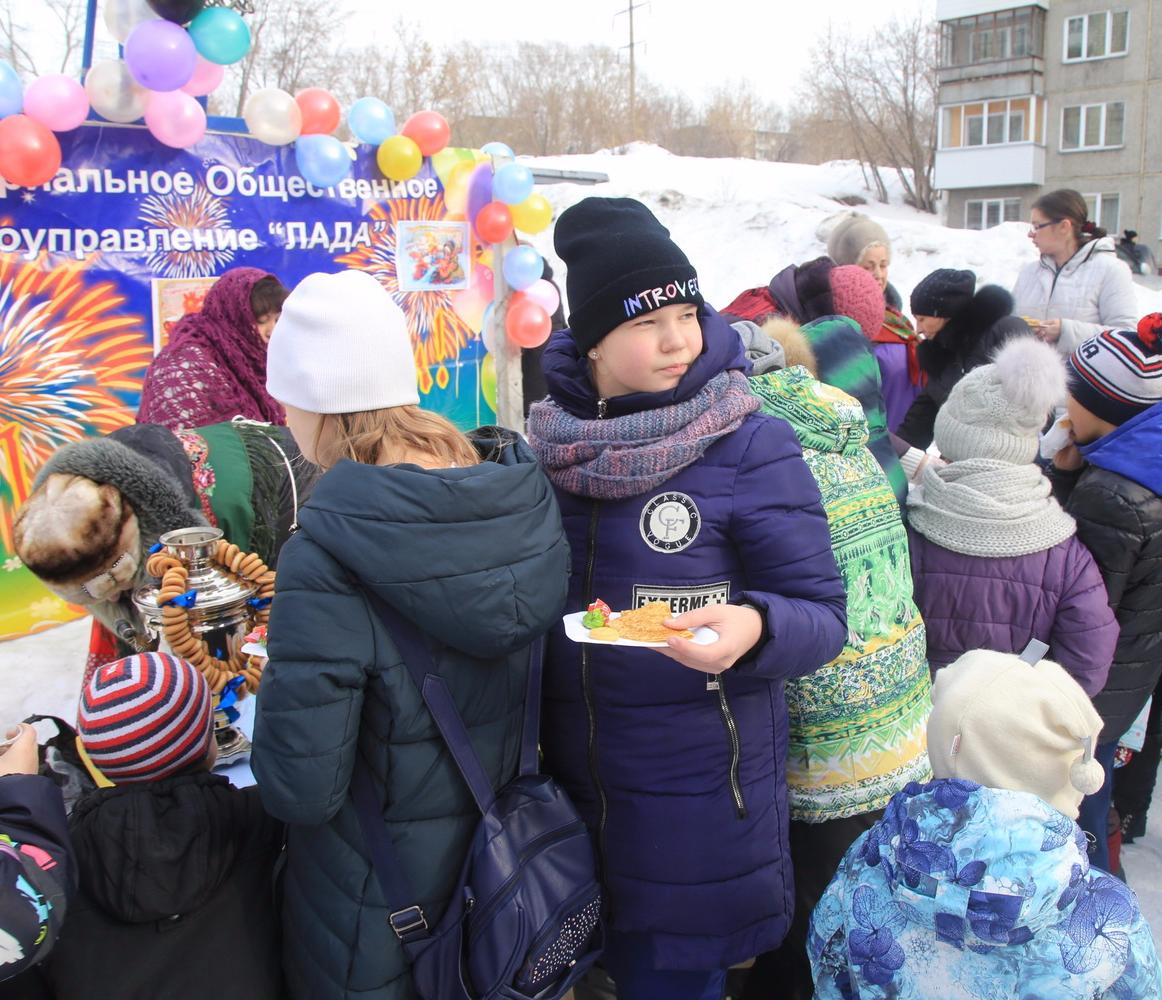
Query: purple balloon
[479, 190]
[160, 55]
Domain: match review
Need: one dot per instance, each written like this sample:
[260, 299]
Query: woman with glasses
[1079, 286]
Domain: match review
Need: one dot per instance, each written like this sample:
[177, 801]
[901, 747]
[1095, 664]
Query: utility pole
[632, 46]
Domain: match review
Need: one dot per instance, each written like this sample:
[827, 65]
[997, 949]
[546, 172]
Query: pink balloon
[207, 76]
[58, 102]
[544, 293]
[175, 118]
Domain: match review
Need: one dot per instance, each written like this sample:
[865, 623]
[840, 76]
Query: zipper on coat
[735, 748]
[587, 686]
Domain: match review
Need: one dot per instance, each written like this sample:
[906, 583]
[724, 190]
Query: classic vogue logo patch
[670, 522]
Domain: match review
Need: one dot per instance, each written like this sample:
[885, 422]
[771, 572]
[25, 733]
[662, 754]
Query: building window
[1005, 34]
[1105, 209]
[988, 123]
[1092, 126]
[988, 212]
[1097, 36]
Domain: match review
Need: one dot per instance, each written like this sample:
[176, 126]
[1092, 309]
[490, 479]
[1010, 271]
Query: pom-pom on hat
[145, 717]
[341, 345]
[997, 411]
[1000, 722]
[943, 293]
[857, 295]
[1118, 373]
[852, 236]
[620, 264]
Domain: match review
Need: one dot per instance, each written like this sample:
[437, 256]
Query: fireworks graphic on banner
[438, 334]
[199, 211]
[70, 357]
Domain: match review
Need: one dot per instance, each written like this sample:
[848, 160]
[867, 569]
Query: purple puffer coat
[683, 785]
[978, 602]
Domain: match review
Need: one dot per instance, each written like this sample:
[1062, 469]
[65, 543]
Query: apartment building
[1051, 94]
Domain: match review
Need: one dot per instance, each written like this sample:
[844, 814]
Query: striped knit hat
[1118, 374]
[145, 717]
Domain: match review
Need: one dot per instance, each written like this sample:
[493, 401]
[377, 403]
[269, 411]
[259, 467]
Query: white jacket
[1090, 292]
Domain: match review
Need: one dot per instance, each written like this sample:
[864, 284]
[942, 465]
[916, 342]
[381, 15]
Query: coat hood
[1085, 253]
[823, 418]
[985, 867]
[1133, 450]
[570, 387]
[468, 554]
[803, 291]
[150, 851]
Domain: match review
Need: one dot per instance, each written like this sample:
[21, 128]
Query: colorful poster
[97, 266]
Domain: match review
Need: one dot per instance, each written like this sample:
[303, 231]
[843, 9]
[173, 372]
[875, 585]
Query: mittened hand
[738, 628]
[19, 757]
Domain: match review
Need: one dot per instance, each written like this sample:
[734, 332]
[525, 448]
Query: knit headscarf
[626, 456]
[226, 326]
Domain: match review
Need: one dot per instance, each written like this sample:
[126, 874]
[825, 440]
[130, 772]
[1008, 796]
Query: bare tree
[23, 41]
[882, 88]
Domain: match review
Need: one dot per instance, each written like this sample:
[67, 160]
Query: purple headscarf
[228, 327]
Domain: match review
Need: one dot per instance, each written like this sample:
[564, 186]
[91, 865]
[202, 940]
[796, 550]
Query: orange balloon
[429, 130]
[30, 154]
[527, 324]
[321, 112]
[494, 222]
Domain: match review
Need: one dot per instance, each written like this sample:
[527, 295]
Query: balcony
[1016, 66]
[990, 166]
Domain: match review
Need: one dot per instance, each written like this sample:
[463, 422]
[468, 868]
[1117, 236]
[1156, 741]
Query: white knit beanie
[998, 410]
[341, 345]
[1002, 723]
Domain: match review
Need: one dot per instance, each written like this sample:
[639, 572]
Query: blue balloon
[370, 120]
[220, 35]
[322, 159]
[497, 149]
[512, 184]
[523, 267]
[11, 91]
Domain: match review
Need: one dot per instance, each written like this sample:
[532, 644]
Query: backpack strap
[531, 729]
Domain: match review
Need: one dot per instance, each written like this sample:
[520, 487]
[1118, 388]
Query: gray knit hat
[852, 236]
[998, 410]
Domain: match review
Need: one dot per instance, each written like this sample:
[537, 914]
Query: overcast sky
[687, 44]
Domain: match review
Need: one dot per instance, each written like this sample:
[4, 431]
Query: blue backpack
[524, 920]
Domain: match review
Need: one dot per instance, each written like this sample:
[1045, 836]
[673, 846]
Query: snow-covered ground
[739, 222]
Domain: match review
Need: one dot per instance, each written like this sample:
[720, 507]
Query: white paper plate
[579, 633]
[254, 649]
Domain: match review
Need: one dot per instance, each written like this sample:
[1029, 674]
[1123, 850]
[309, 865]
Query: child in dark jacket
[176, 864]
[995, 559]
[673, 488]
[962, 328]
[1112, 478]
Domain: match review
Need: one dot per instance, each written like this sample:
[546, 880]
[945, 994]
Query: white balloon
[273, 116]
[122, 16]
[113, 92]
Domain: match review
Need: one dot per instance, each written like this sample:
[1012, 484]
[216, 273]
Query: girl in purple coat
[672, 487]
[995, 560]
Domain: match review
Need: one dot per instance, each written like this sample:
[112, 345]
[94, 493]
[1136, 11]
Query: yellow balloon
[399, 158]
[456, 186]
[533, 214]
[488, 380]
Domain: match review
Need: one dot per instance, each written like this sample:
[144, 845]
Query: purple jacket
[683, 785]
[977, 602]
[899, 392]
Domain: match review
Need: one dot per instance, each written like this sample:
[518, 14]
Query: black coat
[176, 896]
[968, 340]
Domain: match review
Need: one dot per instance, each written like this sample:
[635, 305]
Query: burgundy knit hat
[856, 294]
[145, 717]
[1118, 373]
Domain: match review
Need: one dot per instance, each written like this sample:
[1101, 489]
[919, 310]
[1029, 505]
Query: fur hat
[943, 293]
[857, 295]
[853, 236]
[1118, 373]
[1000, 722]
[620, 263]
[793, 342]
[341, 345]
[998, 410]
[145, 717]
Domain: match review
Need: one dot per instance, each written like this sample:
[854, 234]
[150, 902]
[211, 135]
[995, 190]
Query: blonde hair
[393, 434]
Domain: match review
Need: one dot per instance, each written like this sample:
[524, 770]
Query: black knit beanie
[943, 293]
[620, 263]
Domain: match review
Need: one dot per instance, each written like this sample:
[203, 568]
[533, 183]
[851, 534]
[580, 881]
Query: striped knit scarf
[897, 330]
[627, 456]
